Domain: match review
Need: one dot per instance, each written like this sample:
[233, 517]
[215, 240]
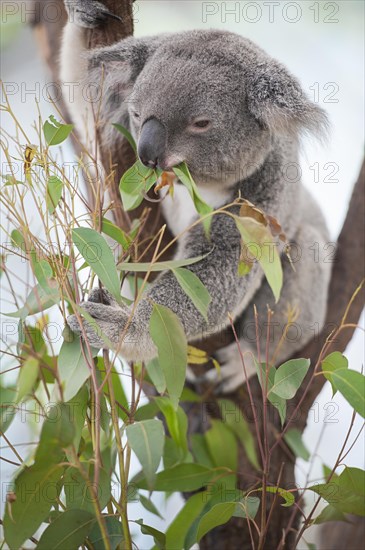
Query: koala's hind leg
[303, 301]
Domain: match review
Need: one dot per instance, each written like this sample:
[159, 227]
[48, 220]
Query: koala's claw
[231, 375]
[89, 13]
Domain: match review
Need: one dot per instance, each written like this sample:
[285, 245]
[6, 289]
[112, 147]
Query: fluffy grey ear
[113, 71]
[127, 57]
[277, 100]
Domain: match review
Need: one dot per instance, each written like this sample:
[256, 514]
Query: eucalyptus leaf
[289, 377]
[286, 495]
[115, 232]
[98, 255]
[54, 193]
[55, 132]
[346, 492]
[35, 490]
[115, 534]
[156, 374]
[218, 515]
[72, 367]
[146, 439]
[194, 288]
[351, 384]
[8, 407]
[137, 180]
[260, 244]
[333, 361]
[168, 335]
[177, 423]
[159, 266]
[27, 377]
[233, 417]
[68, 531]
[183, 173]
[183, 477]
[127, 135]
[37, 300]
[178, 529]
[294, 440]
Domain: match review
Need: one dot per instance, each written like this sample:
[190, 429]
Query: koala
[235, 115]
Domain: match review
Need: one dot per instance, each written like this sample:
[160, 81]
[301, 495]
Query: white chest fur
[179, 210]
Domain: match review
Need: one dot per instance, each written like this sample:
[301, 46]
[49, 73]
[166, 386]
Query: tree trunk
[348, 272]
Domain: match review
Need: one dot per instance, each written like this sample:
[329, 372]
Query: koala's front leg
[88, 13]
[114, 327]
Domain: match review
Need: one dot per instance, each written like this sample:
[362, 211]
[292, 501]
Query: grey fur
[258, 111]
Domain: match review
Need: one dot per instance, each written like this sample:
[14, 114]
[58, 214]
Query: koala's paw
[232, 374]
[110, 320]
[88, 13]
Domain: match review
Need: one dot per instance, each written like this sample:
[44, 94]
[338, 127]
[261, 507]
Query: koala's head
[210, 98]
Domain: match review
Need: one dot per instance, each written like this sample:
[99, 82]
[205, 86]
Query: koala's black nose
[152, 141]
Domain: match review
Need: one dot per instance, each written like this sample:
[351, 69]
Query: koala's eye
[200, 125]
[136, 115]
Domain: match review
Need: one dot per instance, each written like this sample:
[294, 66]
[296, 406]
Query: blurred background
[322, 43]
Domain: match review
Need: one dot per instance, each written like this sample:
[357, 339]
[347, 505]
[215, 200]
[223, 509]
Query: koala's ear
[277, 100]
[126, 58]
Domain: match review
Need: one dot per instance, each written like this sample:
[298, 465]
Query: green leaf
[36, 491]
[156, 374]
[194, 288]
[119, 393]
[218, 515]
[58, 432]
[200, 450]
[146, 439]
[127, 135]
[158, 537]
[330, 513]
[78, 409]
[332, 362]
[177, 423]
[178, 529]
[78, 493]
[149, 506]
[233, 417]
[346, 492]
[27, 377]
[43, 273]
[55, 132]
[37, 300]
[115, 534]
[289, 377]
[7, 407]
[222, 445]
[17, 240]
[351, 384]
[54, 193]
[72, 367]
[67, 532]
[247, 507]
[183, 173]
[286, 495]
[97, 254]
[159, 266]
[260, 244]
[115, 233]
[183, 477]
[293, 438]
[137, 180]
[168, 335]
[278, 402]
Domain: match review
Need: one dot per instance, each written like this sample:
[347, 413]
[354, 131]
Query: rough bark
[348, 272]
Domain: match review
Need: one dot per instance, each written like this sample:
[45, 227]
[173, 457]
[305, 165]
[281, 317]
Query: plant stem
[123, 504]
